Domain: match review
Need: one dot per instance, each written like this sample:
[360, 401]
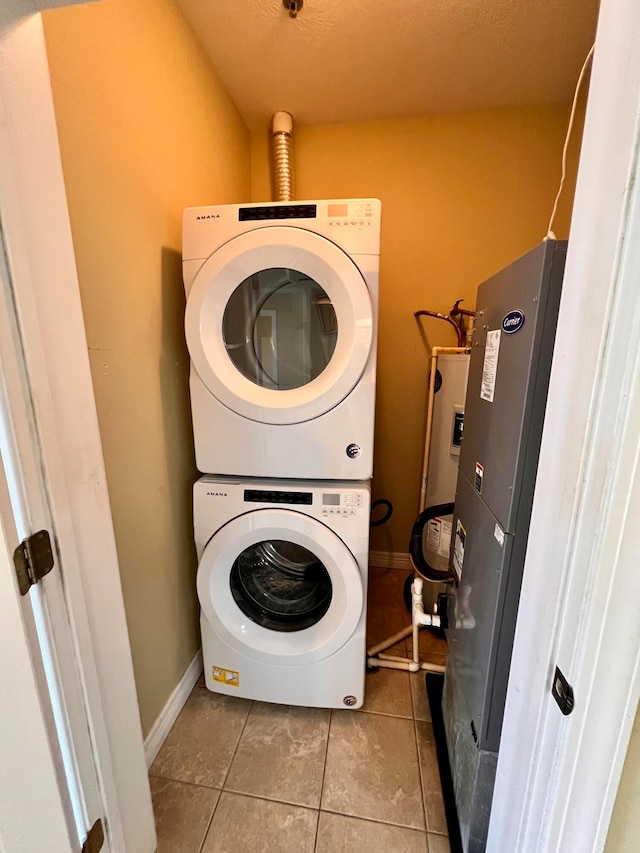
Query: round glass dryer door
[279, 586]
[279, 325]
[280, 329]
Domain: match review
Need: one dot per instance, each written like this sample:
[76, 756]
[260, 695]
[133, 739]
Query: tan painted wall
[462, 195]
[624, 829]
[145, 130]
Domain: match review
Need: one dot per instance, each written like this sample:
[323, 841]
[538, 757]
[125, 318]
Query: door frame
[547, 750]
[40, 256]
[557, 776]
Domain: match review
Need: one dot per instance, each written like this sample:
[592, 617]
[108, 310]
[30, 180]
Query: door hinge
[95, 838]
[33, 559]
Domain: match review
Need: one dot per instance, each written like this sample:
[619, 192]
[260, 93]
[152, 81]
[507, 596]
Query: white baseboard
[169, 713]
[390, 560]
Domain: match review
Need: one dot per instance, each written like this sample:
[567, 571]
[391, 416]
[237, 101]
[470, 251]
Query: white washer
[281, 323]
[282, 584]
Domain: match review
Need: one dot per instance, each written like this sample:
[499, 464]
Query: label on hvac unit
[479, 477]
[458, 548]
[439, 536]
[490, 366]
[226, 676]
[498, 533]
[513, 321]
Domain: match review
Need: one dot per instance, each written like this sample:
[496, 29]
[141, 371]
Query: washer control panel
[345, 503]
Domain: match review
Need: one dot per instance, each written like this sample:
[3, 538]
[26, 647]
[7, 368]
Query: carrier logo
[513, 321]
[218, 494]
[209, 216]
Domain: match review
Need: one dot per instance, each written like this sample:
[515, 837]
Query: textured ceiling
[343, 60]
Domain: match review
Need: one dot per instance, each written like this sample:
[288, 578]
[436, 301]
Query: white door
[279, 325]
[44, 622]
[35, 811]
[280, 587]
[82, 688]
[557, 775]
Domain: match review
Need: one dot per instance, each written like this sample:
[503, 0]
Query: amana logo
[209, 216]
[513, 321]
[218, 494]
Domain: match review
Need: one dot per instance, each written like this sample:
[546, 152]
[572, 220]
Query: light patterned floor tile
[202, 742]
[387, 691]
[372, 769]
[281, 754]
[183, 813]
[242, 824]
[341, 834]
[438, 843]
[421, 710]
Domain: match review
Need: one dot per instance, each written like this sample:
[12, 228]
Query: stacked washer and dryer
[281, 323]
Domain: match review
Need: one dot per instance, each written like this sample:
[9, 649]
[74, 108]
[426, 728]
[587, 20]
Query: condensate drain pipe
[376, 656]
[282, 129]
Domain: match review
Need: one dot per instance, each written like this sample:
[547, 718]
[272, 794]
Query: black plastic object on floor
[434, 684]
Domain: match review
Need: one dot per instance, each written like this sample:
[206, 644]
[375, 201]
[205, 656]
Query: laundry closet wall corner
[145, 130]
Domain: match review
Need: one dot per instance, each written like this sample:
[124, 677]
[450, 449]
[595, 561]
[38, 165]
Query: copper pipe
[464, 311]
[444, 317]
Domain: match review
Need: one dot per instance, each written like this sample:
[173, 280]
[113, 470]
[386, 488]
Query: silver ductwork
[282, 129]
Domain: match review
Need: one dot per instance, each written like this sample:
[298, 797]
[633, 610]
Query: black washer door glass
[280, 585]
[280, 328]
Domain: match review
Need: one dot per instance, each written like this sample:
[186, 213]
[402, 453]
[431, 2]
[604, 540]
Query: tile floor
[235, 775]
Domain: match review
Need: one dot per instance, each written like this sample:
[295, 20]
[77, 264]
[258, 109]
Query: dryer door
[281, 587]
[279, 325]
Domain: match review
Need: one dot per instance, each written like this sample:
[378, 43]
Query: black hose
[415, 545]
[386, 516]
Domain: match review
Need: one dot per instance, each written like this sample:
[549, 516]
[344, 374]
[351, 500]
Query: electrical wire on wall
[550, 234]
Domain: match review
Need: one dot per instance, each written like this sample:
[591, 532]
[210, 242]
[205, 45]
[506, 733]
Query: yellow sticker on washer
[226, 676]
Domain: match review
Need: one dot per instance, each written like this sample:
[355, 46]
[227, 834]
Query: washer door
[279, 325]
[280, 587]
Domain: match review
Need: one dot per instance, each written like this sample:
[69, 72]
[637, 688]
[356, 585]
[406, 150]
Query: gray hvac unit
[511, 352]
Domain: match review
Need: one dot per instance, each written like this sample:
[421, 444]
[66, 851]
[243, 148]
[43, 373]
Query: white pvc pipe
[391, 641]
[406, 665]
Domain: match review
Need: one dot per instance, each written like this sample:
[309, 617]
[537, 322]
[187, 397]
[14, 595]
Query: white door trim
[558, 775]
[40, 254]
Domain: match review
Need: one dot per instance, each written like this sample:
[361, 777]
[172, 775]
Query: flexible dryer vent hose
[282, 155]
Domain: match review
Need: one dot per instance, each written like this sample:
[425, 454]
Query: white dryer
[282, 585]
[281, 323]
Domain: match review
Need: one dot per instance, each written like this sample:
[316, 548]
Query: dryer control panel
[353, 224]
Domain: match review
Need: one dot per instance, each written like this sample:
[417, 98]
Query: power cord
[550, 234]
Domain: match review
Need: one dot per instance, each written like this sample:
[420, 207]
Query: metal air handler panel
[512, 346]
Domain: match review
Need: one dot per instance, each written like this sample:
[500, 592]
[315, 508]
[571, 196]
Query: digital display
[338, 209]
[330, 500]
[286, 211]
[268, 496]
